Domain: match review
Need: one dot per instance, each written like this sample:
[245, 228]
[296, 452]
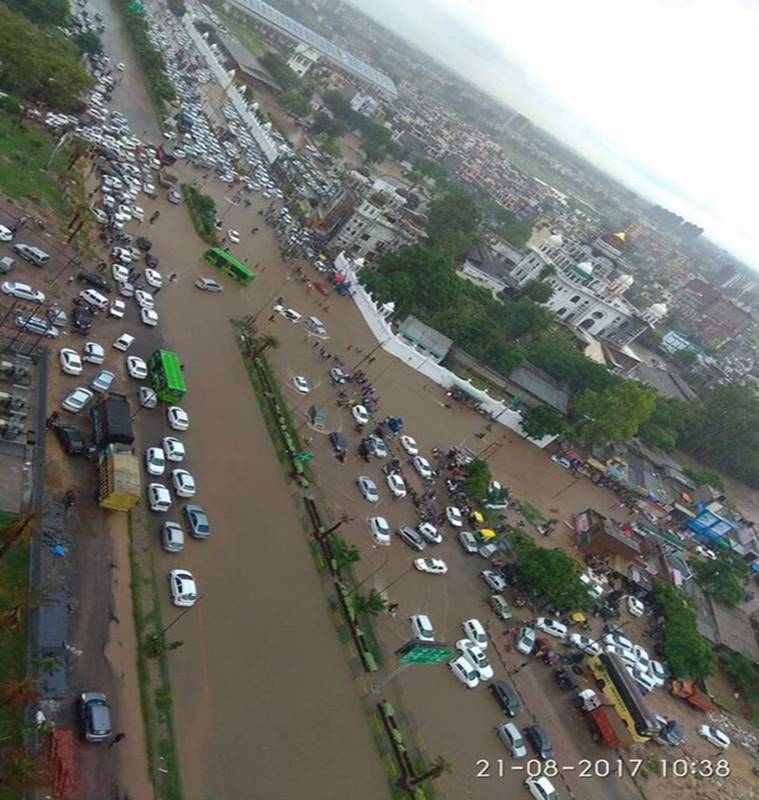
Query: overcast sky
[660, 93]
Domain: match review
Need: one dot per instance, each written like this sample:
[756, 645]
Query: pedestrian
[14, 229]
[101, 266]
[119, 737]
[22, 220]
[70, 280]
[158, 289]
[173, 277]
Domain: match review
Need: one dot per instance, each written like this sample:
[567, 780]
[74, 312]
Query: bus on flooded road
[166, 376]
[228, 264]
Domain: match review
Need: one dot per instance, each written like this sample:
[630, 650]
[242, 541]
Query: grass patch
[23, 154]
[201, 207]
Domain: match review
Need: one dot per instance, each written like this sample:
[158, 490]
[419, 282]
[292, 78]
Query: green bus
[165, 370]
[230, 265]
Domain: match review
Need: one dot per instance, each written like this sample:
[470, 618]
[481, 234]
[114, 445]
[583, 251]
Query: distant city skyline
[656, 94]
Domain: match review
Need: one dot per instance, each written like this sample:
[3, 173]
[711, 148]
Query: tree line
[39, 64]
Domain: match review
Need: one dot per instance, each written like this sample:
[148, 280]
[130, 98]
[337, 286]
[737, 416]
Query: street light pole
[395, 580]
[271, 297]
[177, 618]
[376, 688]
[370, 575]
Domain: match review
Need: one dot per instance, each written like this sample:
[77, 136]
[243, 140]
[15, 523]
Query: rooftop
[541, 385]
[415, 330]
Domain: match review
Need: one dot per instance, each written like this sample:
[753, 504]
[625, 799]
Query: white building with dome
[589, 282]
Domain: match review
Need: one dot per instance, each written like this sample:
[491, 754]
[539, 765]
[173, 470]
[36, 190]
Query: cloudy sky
[660, 93]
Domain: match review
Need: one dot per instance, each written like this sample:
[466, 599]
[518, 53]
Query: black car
[566, 679]
[540, 741]
[94, 717]
[95, 280]
[81, 319]
[506, 697]
[339, 442]
[151, 261]
[672, 733]
[143, 243]
[71, 439]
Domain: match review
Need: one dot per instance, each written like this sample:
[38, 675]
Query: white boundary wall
[376, 318]
[268, 146]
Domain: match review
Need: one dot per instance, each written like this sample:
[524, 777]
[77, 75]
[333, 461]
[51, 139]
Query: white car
[117, 309]
[396, 485]
[368, 488]
[432, 566]
[627, 657]
[409, 445]
[103, 381]
[657, 672]
[551, 627]
[149, 316]
[136, 367]
[493, 580]
[586, 644]
[301, 384]
[121, 66]
[119, 272]
[155, 463]
[177, 418]
[144, 299]
[126, 289]
[22, 291]
[122, 254]
[184, 590]
[541, 788]
[642, 678]
[635, 607]
[465, 672]
[360, 414]
[562, 462]
[288, 313]
[124, 342]
[93, 352]
[429, 532]
[208, 284]
[525, 640]
[715, 736]
[512, 739]
[233, 236]
[454, 517]
[153, 278]
[173, 449]
[422, 467]
[71, 363]
[475, 632]
[379, 530]
[77, 399]
[148, 397]
[138, 213]
[476, 657]
[468, 542]
[422, 628]
[616, 638]
[6, 234]
[159, 497]
[184, 483]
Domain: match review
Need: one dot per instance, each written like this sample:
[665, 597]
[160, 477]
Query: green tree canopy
[278, 69]
[44, 13]
[477, 477]
[614, 415]
[41, 66]
[557, 355]
[685, 358]
[295, 102]
[670, 419]
[724, 579]
[88, 42]
[542, 420]
[688, 653]
[538, 291]
[550, 574]
[454, 221]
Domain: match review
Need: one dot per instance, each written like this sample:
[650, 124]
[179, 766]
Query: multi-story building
[588, 282]
[376, 222]
[364, 104]
[302, 59]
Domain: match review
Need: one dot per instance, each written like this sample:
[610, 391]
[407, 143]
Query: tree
[477, 478]
[613, 415]
[454, 221]
[328, 125]
[18, 531]
[282, 74]
[724, 579]
[440, 766]
[670, 419]
[516, 233]
[543, 420]
[688, 653]
[373, 603]
[19, 692]
[43, 13]
[268, 342]
[295, 102]
[744, 673]
[538, 292]
[343, 553]
[550, 574]
[21, 771]
[41, 66]
[685, 358]
[88, 42]
[557, 355]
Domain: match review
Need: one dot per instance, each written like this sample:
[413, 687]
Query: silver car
[103, 381]
[38, 326]
[22, 291]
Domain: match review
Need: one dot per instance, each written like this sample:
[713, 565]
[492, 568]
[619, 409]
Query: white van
[94, 299]
[316, 325]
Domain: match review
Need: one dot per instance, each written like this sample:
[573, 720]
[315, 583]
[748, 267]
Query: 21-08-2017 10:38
[603, 768]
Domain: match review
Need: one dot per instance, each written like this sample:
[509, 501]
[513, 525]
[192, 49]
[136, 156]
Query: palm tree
[21, 770]
[19, 530]
[437, 768]
[373, 603]
[266, 342]
[19, 692]
[19, 604]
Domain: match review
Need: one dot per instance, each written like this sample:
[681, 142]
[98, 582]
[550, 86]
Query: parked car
[173, 449]
[512, 739]
[77, 399]
[103, 381]
[468, 542]
[22, 291]
[552, 627]
[96, 280]
[159, 497]
[462, 668]
[197, 521]
[478, 658]
[410, 537]
[380, 530]
[422, 627]
[429, 532]
[525, 640]
[71, 363]
[155, 463]
[36, 326]
[177, 418]
[500, 607]
[339, 442]
[432, 566]
[172, 537]
[368, 489]
[540, 741]
[714, 736]
[493, 580]
[94, 717]
[183, 482]
[93, 353]
[71, 439]
[184, 591]
[586, 644]
[475, 632]
[541, 788]
[409, 445]
[506, 697]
